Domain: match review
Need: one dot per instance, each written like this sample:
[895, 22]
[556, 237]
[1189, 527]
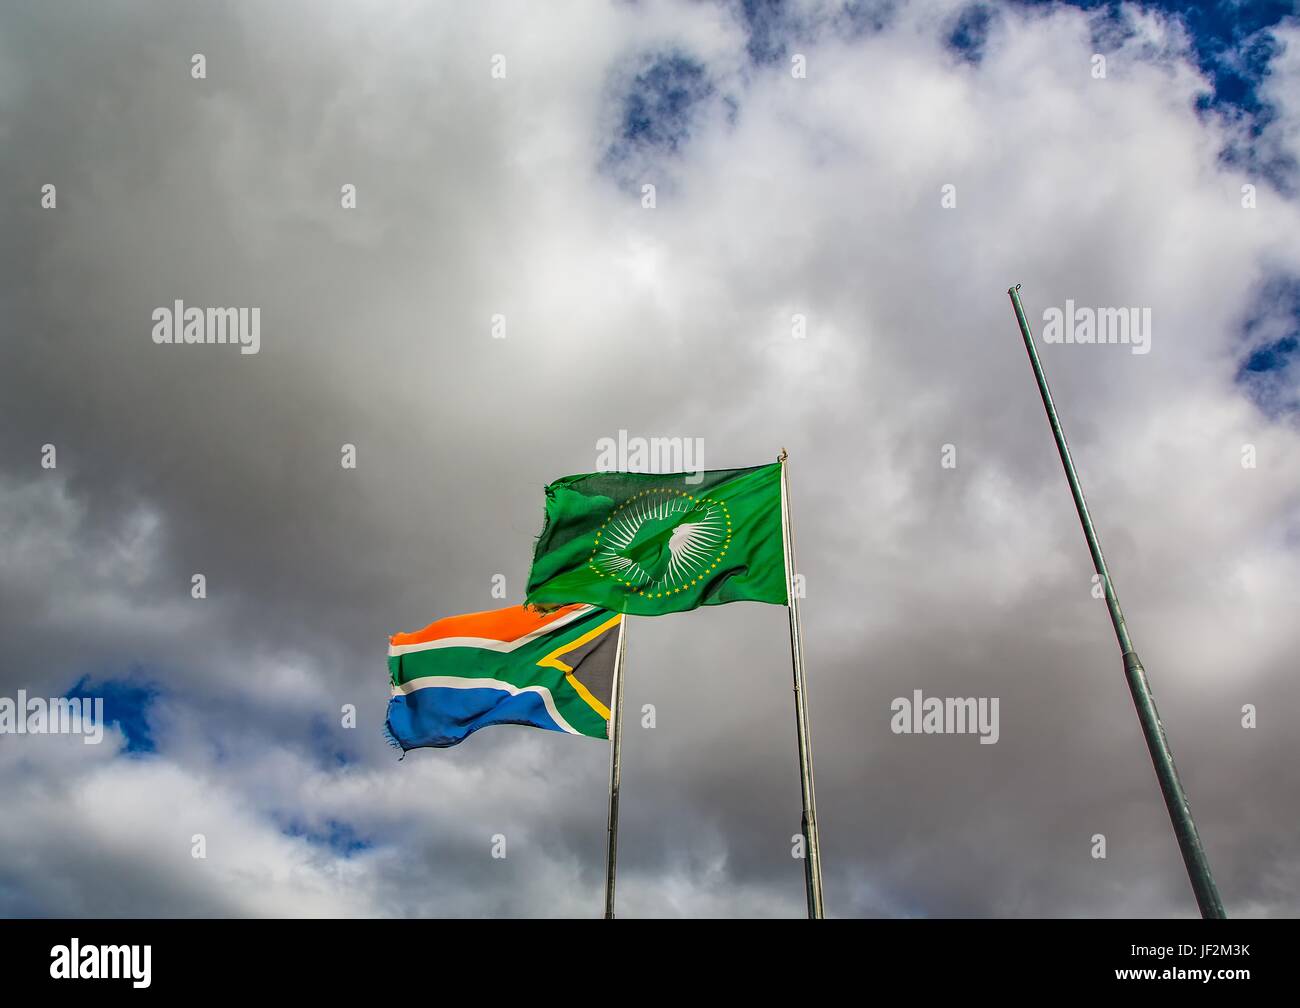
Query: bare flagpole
[615, 770]
[1162, 758]
[812, 852]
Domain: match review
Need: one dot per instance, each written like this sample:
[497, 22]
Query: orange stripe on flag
[506, 624]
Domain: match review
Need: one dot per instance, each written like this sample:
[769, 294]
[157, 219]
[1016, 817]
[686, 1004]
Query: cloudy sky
[799, 154]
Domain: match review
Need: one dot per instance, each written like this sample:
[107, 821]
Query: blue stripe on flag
[441, 716]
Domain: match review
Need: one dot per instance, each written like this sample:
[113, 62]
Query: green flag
[651, 544]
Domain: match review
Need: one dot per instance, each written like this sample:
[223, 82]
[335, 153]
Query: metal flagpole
[615, 769]
[812, 855]
[1189, 841]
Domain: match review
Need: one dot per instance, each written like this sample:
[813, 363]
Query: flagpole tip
[1012, 290]
[783, 456]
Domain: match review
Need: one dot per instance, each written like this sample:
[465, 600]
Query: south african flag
[506, 666]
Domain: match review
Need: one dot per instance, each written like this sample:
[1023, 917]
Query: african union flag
[650, 544]
[506, 666]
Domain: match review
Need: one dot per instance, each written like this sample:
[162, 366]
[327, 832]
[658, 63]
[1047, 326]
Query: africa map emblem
[660, 542]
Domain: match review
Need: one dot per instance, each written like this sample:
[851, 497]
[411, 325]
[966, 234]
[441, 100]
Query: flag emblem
[631, 546]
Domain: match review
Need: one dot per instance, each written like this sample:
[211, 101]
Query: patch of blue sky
[127, 704]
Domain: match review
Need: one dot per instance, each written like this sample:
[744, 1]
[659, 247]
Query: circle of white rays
[691, 546]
